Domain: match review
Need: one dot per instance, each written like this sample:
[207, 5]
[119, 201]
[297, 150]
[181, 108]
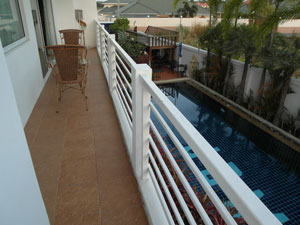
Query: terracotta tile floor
[80, 158]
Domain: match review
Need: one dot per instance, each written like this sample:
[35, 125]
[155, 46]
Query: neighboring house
[112, 3]
[153, 8]
[243, 9]
[108, 11]
[202, 11]
[202, 4]
[110, 7]
[145, 8]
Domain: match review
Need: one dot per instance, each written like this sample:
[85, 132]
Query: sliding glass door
[44, 29]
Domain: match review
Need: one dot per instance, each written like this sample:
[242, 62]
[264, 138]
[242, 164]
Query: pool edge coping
[276, 132]
[259, 122]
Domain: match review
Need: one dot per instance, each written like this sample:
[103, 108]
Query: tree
[285, 58]
[120, 25]
[214, 6]
[187, 10]
[130, 45]
[281, 11]
[212, 38]
[231, 12]
[258, 9]
[245, 38]
[213, 15]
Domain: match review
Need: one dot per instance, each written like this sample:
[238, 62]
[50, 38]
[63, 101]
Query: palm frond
[214, 7]
[259, 8]
[282, 15]
[230, 12]
[175, 3]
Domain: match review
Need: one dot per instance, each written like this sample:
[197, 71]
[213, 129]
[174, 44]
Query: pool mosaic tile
[217, 149]
[211, 180]
[190, 151]
[282, 217]
[272, 181]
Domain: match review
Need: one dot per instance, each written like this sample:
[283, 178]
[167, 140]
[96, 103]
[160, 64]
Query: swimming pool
[273, 181]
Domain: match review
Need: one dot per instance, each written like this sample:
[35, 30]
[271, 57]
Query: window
[11, 25]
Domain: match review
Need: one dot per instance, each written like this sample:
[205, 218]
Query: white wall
[21, 200]
[166, 22]
[254, 74]
[25, 69]
[188, 52]
[89, 8]
[292, 102]
[64, 17]
[292, 23]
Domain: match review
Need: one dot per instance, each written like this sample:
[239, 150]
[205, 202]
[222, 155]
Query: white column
[112, 63]
[141, 121]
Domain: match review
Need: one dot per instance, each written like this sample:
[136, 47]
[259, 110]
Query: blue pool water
[271, 180]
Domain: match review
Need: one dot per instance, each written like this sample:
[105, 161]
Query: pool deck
[165, 74]
[80, 158]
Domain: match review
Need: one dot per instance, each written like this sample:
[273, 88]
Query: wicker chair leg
[60, 90]
[58, 96]
[85, 101]
[82, 87]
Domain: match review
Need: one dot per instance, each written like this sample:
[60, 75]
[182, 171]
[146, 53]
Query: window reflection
[11, 26]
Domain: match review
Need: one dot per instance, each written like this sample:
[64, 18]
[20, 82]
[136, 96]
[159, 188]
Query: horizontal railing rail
[148, 119]
[150, 40]
[161, 31]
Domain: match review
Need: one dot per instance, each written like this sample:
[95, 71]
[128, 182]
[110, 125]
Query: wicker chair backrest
[67, 60]
[71, 36]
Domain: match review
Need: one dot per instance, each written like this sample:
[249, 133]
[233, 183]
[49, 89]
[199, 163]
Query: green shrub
[120, 25]
[132, 48]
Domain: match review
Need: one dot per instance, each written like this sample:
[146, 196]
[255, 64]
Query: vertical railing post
[98, 38]
[111, 63]
[102, 40]
[141, 121]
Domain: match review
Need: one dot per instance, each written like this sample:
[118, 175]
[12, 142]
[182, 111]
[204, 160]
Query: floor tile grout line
[60, 170]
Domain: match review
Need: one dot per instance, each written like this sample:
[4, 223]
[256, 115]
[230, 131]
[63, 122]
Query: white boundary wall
[292, 102]
[186, 22]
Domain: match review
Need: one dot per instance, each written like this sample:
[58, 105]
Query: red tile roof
[204, 5]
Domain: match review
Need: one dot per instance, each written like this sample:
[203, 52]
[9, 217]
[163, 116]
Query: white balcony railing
[131, 89]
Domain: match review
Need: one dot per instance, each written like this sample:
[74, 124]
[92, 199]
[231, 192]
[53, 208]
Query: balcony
[105, 166]
[80, 158]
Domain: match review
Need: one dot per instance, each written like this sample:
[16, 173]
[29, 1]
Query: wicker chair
[74, 37]
[68, 70]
